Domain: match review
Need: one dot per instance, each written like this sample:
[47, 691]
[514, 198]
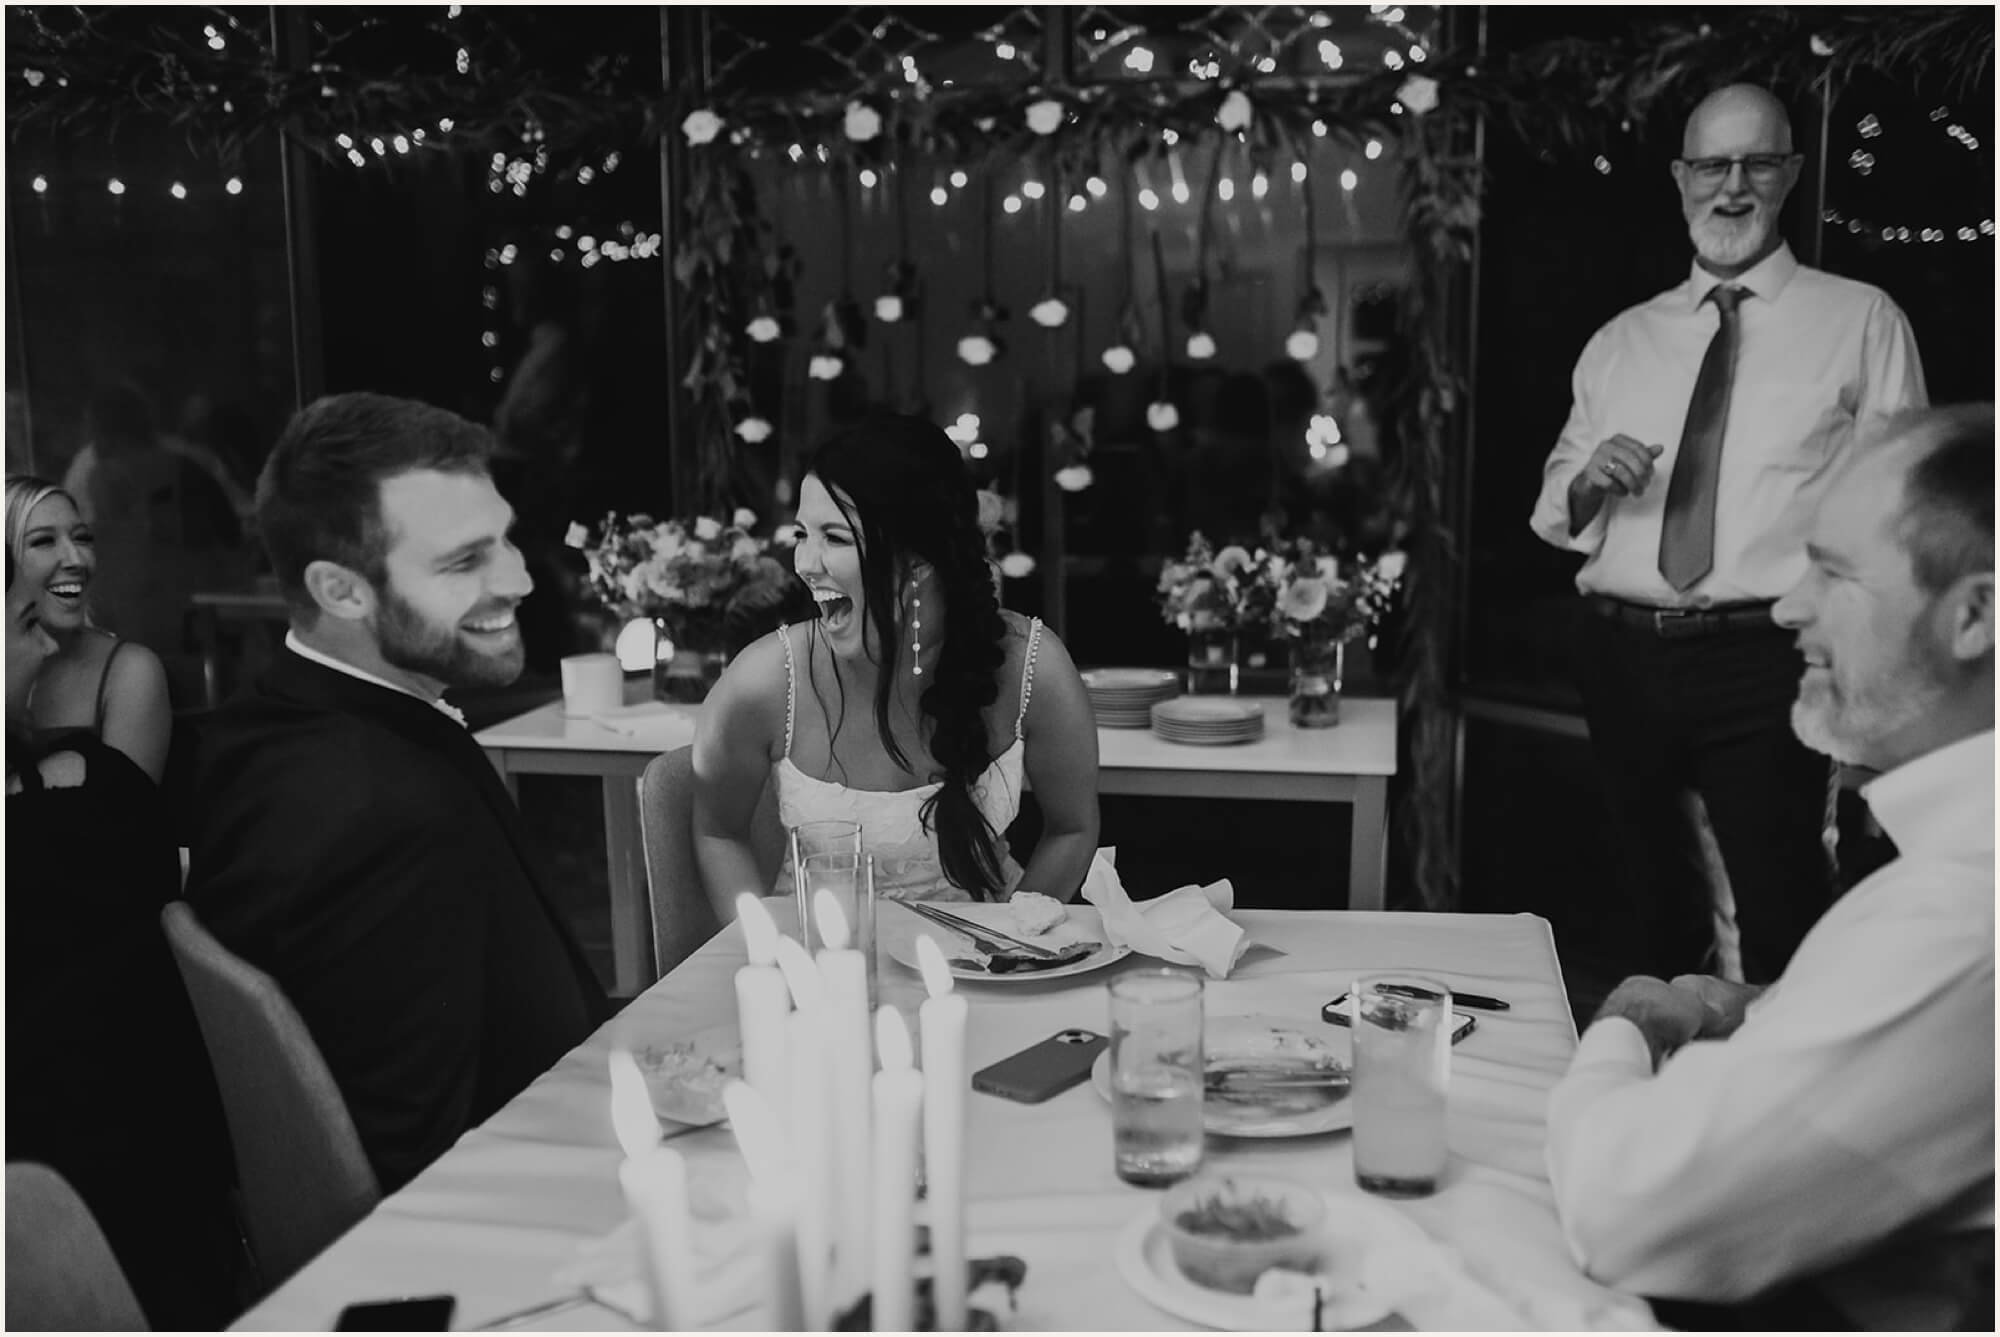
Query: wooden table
[1351, 764]
[501, 1218]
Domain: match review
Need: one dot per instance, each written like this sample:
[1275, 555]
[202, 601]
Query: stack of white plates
[1207, 721]
[1122, 698]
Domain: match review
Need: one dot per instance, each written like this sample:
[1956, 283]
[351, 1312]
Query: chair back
[303, 1176]
[61, 1273]
[683, 916]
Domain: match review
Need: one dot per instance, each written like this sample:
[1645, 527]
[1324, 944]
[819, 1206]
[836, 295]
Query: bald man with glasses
[1705, 425]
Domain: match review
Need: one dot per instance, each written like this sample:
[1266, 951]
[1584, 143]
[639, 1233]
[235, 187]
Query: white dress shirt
[1856, 1099]
[1821, 360]
[304, 651]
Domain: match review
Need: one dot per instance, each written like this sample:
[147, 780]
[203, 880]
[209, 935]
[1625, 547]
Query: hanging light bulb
[1349, 178]
[1225, 189]
[1372, 150]
[1148, 200]
[115, 186]
[868, 178]
[1012, 204]
[1077, 203]
[178, 191]
[958, 179]
[1299, 173]
[1033, 189]
[1181, 192]
[939, 195]
[1096, 187]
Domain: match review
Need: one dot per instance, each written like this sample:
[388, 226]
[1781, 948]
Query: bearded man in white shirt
[1712, 1141]
[1705, 426]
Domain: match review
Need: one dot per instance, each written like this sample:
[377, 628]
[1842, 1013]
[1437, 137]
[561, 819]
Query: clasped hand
[1692, 1007]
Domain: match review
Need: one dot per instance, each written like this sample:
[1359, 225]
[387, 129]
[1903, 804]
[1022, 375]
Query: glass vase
[1211, 662]
[1316, 671]
[687, 666]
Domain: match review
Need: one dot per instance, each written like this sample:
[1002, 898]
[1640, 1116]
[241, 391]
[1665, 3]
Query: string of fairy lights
[512, 174]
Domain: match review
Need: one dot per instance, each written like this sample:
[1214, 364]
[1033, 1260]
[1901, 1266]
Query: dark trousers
[1708, 715]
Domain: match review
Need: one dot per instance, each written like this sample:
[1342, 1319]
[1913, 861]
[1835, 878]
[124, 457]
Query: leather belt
[1678, 622]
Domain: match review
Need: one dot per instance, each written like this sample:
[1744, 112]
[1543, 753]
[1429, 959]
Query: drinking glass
[851, 879]
[1156, 1076]
[808, 838]
[1402, 1061]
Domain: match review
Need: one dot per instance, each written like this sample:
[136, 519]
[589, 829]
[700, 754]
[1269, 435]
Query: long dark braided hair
[901, 483]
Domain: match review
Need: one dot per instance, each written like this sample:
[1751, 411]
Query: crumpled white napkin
[1187, 925]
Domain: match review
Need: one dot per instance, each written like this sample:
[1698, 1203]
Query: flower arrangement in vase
[1209, 595]
[703, 582]
[1320, 602]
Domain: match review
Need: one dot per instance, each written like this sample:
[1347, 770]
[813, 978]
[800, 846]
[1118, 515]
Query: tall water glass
[1402, 1062]
[851, 879]
[808, 838]
[1156, 1076]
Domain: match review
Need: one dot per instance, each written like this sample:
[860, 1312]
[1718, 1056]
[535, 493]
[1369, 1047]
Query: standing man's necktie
[1687, 529]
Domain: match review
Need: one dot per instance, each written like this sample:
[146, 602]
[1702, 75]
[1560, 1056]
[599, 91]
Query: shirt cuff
[1550, 520]
[1614, 1042]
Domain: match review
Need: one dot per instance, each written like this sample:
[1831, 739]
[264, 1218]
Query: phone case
[422, 1313]
[1336, 1012]
[1043, 1069]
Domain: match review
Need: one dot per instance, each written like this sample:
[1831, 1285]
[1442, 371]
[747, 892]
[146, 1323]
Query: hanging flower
[889, 309]
[701, 126]
[992, 510]
[1201, 345]
[745, 518]
[576, 535]
[1075, 478]
[1390, 566]
[1120, 359]
[788, 535]
[1302, 345]
[1419, 93]
[1337, 456]
[976, 350]
[825, 367]
[763, 329]
[1234, 113]
[707, 528]
[1162, 416]
[863, 122]
[1048, 313]
[1045, 117]
[1018, 565]
[752, 430]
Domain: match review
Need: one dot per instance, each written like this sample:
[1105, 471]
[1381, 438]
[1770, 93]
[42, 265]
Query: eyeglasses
[1763, 169]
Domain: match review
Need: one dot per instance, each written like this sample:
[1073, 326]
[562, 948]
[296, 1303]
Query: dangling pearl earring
[916, 632]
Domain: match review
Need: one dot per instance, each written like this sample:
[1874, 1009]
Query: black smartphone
[416, 1313]
[1463, 1024]
[1046, 1068]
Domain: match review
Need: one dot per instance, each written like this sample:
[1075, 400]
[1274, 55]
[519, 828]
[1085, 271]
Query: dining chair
[300, 1169]
[683, 917]
[61, 1273]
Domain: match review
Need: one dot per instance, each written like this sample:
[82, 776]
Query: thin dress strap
[791, 687]
[104, 685]
[1028, 675]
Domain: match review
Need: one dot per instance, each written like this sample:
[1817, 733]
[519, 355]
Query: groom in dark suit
[353, 841]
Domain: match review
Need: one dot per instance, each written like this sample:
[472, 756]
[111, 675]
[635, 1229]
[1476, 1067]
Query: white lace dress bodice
[907, 865]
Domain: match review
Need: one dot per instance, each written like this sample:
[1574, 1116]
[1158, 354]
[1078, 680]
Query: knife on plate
[986, 939]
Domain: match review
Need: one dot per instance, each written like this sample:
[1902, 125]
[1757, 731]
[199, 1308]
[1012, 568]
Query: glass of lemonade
[1156, 1076]
[1402, 1060]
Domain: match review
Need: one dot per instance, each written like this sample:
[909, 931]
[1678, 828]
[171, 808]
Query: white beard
[1727, 242]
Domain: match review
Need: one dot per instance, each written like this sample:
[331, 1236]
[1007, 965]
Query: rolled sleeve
[1892, 372]
[1550, 519]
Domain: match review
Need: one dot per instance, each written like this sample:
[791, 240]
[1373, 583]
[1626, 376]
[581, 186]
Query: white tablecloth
[496, 1217]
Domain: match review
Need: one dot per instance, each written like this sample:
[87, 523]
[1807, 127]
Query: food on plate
[683, 1078]
[1035, 914]
[1226, 1233]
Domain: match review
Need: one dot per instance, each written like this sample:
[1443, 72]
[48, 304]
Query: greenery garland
[75, 70]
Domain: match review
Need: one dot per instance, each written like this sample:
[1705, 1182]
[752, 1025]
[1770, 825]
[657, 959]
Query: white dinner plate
[1286, 1114]
[1146, 1262]
[1136, 680]
[898, 930]
[685, 1077]
[1206, 712]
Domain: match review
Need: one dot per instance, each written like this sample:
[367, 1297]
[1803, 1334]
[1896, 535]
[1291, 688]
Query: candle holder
[1004, 1269]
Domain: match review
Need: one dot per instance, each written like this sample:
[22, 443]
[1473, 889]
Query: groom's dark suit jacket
[355, 843]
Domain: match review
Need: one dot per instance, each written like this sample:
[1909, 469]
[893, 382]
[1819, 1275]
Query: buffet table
[1350, 764]
[495, 1219]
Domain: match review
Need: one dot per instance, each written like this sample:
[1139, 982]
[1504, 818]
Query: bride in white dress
[913, 704]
